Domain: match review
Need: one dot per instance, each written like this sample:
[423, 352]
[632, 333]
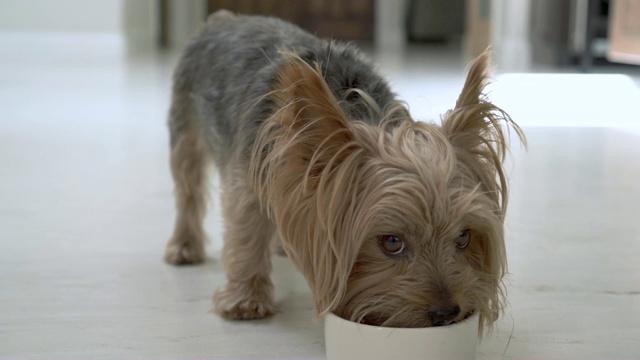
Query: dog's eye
[463, 240]
[392, 244]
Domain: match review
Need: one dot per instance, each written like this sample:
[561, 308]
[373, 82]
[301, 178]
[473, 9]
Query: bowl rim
[473, 318]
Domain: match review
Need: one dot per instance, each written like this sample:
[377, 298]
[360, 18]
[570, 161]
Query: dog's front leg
[248, 293]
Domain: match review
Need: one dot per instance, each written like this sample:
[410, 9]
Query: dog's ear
[303, 167]
[479, 131]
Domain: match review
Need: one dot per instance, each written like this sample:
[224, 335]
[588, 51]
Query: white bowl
[348, 340]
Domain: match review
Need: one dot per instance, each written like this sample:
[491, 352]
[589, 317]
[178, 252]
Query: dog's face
[431, 236]
[399, 224]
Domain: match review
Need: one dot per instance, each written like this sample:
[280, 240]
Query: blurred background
[86, 194]
[406, 37]
[584, 33]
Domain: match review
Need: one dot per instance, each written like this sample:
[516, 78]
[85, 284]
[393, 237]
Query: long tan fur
[335, 187]
[331, 185]
[300, 166]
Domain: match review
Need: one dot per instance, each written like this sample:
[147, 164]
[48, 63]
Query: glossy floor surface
[86, 208]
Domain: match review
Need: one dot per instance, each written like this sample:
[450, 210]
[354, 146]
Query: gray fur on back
[231, 64]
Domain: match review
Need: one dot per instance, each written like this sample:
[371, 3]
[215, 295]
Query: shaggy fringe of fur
[475, 129]
[330, 184]
[300, 166]
[337, 164]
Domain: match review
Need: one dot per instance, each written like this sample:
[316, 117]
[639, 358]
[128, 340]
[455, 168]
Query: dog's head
[399, 224]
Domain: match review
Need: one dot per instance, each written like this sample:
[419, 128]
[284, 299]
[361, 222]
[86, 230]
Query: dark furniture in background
[338, 19]
[569, 32]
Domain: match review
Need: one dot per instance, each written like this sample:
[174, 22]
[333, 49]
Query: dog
[392, 222]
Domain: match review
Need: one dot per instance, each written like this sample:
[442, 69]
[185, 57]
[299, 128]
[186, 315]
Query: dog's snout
[444, 315]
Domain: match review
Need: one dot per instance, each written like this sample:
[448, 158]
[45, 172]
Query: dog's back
[392, 222]
[230, 66]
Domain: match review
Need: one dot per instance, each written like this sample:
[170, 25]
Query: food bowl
[349, 340]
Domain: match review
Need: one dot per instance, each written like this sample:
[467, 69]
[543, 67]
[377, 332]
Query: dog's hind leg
[189, 162]
[248, 293]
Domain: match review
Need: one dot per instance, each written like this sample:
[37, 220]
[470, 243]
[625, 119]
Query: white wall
[141, 21]
[390, 23]
[510, 34]
[78, 16]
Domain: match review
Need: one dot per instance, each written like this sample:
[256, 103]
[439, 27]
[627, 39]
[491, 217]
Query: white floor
[86, 208]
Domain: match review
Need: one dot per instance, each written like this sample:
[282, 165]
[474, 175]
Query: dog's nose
[444, 315]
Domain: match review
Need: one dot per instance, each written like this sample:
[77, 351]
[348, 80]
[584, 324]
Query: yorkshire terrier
[392, 222]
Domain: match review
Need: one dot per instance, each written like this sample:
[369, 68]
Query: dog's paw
[184, 253]
[248, 309]
[242, 301]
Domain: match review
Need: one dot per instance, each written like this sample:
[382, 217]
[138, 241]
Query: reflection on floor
[86, 207]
